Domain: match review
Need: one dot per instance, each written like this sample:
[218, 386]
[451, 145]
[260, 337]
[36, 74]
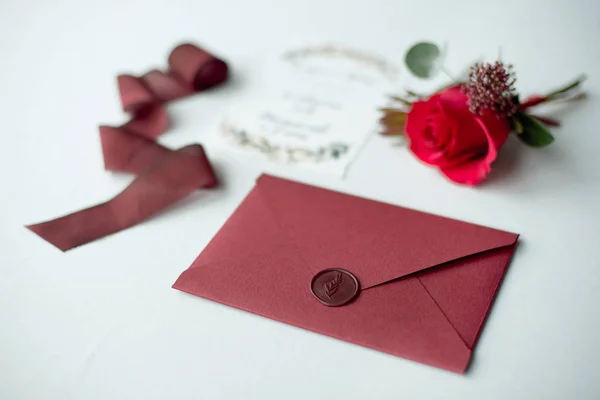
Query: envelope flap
[377, 242]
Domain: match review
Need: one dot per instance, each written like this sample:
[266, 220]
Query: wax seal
[334, 287]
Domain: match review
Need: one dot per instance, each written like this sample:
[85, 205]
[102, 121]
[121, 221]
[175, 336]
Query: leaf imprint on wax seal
[332, 286]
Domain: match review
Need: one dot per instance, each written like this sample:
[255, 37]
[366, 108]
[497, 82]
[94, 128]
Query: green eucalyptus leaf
[532, 132]
[423, 59]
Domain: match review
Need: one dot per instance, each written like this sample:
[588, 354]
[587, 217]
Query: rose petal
[497, 127]
[443, 135]
[468, 138]
[416, 119]
[475, 171]
[421, 121]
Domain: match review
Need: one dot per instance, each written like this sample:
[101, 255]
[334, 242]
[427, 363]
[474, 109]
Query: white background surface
[102, 322]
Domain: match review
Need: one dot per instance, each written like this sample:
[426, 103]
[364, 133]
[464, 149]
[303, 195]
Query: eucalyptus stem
[564, 91]
[402, 100]
[445, 71]
[414, 94]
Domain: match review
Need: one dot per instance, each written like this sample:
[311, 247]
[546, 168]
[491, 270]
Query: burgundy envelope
[411, 284]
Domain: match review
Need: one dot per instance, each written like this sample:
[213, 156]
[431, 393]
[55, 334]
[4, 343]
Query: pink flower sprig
[491, 87]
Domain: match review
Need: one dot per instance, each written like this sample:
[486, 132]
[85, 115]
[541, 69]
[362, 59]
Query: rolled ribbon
[165, 176]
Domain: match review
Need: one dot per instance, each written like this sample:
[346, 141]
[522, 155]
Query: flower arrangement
[461, 127]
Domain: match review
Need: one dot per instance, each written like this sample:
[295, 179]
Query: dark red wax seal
[334, 287]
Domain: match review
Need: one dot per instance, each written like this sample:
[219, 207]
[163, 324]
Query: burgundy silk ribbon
[165, 176]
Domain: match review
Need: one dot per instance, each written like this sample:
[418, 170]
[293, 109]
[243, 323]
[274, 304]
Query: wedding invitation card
[316, 109]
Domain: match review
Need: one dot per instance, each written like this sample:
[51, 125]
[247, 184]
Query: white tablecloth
[102, 322]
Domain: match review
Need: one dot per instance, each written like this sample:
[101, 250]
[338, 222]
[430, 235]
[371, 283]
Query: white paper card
[316, 109]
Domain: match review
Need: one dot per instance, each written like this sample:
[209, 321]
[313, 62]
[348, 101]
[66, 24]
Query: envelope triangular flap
[377, 242]
[464, 289]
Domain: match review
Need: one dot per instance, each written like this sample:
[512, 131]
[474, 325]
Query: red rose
[444, 133]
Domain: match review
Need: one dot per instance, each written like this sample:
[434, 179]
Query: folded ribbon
[164, 176]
